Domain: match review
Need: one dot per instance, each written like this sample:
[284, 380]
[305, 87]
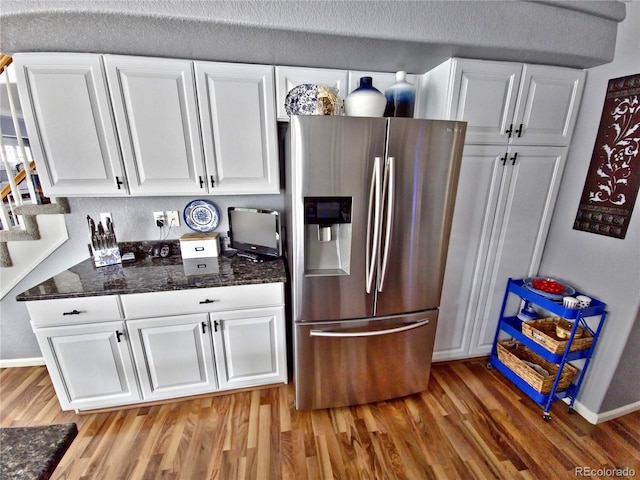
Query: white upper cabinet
[154, 102]
[504, 102]
[547, 106]
[238, 120]
[289, 77]
[67, 114]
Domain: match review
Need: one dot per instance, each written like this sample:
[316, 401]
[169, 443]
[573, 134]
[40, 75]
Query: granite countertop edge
[148, 275]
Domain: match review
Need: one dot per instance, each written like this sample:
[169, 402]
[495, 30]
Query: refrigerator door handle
[388, 193]
[404, 328]
[373, 217]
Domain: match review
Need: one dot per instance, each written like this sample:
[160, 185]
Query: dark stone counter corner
[148, 274]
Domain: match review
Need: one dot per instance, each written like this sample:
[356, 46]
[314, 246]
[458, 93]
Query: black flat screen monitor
[255, 231]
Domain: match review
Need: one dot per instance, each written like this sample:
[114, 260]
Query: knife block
[105, 256]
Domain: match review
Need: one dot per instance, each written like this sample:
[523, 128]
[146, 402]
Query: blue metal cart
[512, 326]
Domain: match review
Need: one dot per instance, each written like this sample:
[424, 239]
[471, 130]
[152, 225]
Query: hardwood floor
[471, 423]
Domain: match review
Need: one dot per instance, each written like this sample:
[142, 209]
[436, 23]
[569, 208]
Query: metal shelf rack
[512, 326]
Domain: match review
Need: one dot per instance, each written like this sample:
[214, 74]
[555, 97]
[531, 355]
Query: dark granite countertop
[33, 453]
[149, 274]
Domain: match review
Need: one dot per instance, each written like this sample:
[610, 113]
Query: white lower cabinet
[174, 355]
[250, 347]
[90, 365]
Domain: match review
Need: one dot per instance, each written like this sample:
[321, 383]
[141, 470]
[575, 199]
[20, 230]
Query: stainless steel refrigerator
[369, 203]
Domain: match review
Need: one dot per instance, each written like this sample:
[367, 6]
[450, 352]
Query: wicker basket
[543, 332]
[514, 355]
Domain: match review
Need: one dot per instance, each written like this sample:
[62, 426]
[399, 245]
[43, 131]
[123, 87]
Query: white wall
[604, 267]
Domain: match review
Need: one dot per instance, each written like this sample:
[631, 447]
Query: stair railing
[11, 157]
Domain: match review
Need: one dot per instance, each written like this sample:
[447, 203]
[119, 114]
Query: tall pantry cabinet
[520, 119]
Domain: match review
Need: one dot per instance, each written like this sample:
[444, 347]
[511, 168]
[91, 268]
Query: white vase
[365, 101]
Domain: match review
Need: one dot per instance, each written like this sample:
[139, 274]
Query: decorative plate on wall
[201, 216]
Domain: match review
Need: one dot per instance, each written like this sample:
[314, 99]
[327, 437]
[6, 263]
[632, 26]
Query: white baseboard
[22, 362]
[596, 418]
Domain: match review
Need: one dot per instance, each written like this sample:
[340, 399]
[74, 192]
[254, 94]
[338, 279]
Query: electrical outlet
[159, 218]
[173, 219]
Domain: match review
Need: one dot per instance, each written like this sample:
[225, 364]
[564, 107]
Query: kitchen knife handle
[371, 333]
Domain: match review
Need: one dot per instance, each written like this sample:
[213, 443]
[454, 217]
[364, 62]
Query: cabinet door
[250, 347]
[174, 355]
[518, 233]
[483, 94]
[481, 175]
[238, 119]
[68, 119]
[154, 102]
[90, 365]
[547, 105]
[289, 77]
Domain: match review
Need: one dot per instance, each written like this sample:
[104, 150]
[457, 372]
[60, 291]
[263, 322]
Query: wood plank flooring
[470, 423]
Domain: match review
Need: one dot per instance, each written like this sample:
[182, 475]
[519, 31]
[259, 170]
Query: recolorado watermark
[604, 472]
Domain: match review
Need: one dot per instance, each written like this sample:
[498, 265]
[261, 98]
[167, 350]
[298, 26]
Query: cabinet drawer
[141, 305]
[65, 311]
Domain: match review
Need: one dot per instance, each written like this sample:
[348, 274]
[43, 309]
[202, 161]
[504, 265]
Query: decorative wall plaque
[613, 179]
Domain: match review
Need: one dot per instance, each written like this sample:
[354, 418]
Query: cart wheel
[570, 410]
[546, 417]
[489, 366]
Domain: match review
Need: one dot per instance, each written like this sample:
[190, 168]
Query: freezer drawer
[362, 361]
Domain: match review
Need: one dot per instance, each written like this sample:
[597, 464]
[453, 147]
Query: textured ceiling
[375, 35]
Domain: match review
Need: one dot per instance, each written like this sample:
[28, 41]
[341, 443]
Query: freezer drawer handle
[329, 333]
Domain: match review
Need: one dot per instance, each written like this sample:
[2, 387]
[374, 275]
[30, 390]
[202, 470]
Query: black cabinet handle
[215, 325]
[513, 159]
[207, 301]
[519, 130]
[201, 181]
[119, 183]
[204, 327]
[510, 130]
[119, 335]
[504, 159]
[72, 312]
[213, 182]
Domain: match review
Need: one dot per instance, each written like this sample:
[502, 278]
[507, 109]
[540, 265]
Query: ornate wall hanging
[613, 179]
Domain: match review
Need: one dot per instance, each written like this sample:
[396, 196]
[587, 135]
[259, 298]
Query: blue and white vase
[401, 97]
[365, 101]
